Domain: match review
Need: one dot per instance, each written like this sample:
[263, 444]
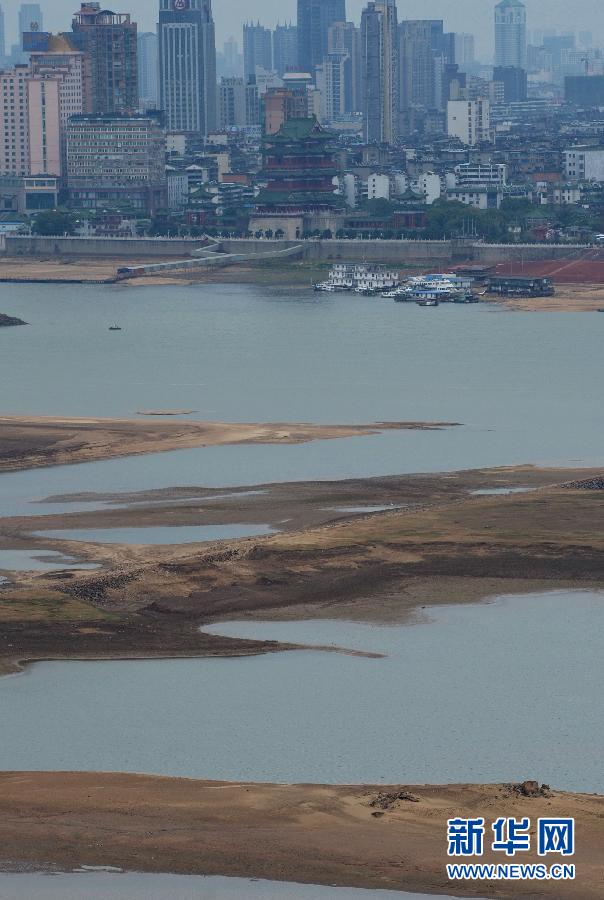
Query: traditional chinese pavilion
[298, 174]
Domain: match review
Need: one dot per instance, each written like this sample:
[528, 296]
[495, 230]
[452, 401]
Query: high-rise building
[335, 85]
[30, 125]
[464, 49]
[420, 43]
[148, 69]
[345, 36]
[93, 179]
[187, 65]
[510, 34]
[52, 57]
[2, 37]
[232, 57]
[285, 49]
[30, 18]
[514, 81]
[314, 20]
[238, 104]
[379, 71]
[229, 61]
[109, 39]
[14, 130]
[257, 49]
[44, 124]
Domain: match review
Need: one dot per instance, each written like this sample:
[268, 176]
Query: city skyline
[229, 22]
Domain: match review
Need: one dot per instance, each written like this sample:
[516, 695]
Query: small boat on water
[115, 328]
[429, 301]
[466, 297]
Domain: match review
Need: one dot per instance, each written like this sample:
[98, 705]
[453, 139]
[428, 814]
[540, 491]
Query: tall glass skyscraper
[379, 71]
[314, 20]
[30, 18]
[187, 64]
[148, 68]
[2, 37]
[510, 34]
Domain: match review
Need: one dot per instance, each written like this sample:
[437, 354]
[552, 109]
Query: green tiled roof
[299, 130]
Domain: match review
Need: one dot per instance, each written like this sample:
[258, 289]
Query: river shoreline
[28, 442]
[356, 836]
[570, 297]
[437, 542]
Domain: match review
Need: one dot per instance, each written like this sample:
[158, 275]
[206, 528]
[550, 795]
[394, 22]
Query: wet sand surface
[360, 836]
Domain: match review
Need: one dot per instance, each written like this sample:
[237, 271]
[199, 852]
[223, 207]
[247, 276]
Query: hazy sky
[459, 15]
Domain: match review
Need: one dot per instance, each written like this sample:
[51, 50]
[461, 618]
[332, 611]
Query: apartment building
[116, 160]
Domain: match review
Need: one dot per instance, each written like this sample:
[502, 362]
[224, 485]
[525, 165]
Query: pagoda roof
[299, 130]
[287, 198]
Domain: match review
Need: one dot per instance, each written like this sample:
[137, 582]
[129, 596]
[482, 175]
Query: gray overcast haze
[460, 15]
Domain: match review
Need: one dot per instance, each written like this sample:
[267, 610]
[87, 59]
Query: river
[499, 691]
[490, 692]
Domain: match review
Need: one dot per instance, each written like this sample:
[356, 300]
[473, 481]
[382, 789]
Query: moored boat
[362, 279]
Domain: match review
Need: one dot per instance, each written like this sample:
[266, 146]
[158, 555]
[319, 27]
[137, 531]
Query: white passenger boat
[362, 279]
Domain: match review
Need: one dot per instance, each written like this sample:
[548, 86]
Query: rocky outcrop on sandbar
[6, 321]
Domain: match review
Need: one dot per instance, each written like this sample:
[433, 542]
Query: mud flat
[27, 443]
[355, 836]
[444, 545]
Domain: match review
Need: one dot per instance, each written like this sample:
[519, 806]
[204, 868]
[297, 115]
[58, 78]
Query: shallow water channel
[498, 691]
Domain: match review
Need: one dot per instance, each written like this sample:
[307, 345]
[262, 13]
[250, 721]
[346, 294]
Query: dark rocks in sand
[531, 789]
[7, 321]
[389, 800]
[590, 484]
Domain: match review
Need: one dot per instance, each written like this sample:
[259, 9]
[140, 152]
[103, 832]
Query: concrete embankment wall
[101, 248]
[419, 252]
[355, 251]
[243, 250]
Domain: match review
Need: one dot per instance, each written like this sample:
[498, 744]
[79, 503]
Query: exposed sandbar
[30, 442]
[306, 833]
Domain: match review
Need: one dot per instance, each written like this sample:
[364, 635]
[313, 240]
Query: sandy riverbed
[568, 298]
[308, 833]
[29, 442]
